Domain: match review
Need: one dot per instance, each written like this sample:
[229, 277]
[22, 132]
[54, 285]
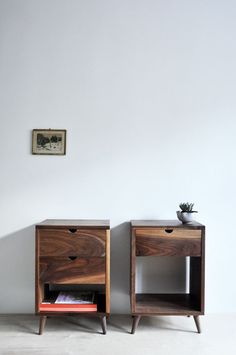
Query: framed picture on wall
[49, 141]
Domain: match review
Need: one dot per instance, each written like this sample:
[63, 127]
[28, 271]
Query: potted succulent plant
[186, 213]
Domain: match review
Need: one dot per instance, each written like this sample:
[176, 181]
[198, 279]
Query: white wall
[146, 91]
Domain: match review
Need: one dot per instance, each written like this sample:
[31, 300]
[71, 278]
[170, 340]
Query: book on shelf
[75, 297]
[55, 307]
[70, 301]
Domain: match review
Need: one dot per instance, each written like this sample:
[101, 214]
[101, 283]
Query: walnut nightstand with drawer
[168, 238]
[72, 255]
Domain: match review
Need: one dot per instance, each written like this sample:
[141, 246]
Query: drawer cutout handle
[168, 231]
[72, 257]
[72, 230]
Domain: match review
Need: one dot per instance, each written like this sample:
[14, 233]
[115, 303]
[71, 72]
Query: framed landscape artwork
[49, 141]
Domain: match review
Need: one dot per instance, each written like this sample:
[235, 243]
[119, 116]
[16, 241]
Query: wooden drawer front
[63, 270]
[167, 242]
[66, 242]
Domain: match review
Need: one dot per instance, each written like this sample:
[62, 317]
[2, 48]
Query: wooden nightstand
[72, 254]
[169, 238]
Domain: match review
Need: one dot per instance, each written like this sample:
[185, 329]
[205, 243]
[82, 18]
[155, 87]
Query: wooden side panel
[108, 271]
[37, 300]
[132, 270]
[203, 271]
[62, 270]
[72, 242]
[168, 242]
[197, 276]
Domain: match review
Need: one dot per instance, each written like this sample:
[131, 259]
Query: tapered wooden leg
[104, 324]
[42, 323]
[136, 320]
[197, 322]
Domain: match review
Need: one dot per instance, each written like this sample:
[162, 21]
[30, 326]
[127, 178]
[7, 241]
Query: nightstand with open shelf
[72, 255]
[168, 238]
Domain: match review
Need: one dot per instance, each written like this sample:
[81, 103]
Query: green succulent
[187, 207]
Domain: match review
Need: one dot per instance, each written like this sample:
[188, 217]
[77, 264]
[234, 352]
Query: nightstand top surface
[164, 223]
[85, 223]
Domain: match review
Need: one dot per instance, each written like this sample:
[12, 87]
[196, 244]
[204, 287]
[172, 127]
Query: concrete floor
[155, 335]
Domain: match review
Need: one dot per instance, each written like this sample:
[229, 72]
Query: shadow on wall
[17, 269]
[120, 268]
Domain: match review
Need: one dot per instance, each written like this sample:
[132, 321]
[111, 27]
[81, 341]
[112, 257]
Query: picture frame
[49, 141]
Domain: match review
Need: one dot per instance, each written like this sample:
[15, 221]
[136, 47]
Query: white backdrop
[146, 91]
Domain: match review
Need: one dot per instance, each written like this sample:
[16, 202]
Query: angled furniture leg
[136, 320]
[42, 323]
[197, 322]
[104, 324]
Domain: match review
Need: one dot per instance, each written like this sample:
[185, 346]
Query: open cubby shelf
[52, 291]
[166, 304]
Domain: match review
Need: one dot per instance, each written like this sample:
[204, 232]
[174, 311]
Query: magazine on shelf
[75, 297]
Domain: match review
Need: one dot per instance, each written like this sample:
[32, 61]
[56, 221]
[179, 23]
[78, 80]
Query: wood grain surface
[168, 242]
[63, 270]
[72, 241]
[165, 223]
[75, 223]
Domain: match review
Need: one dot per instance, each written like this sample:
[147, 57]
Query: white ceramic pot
[185, 217]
